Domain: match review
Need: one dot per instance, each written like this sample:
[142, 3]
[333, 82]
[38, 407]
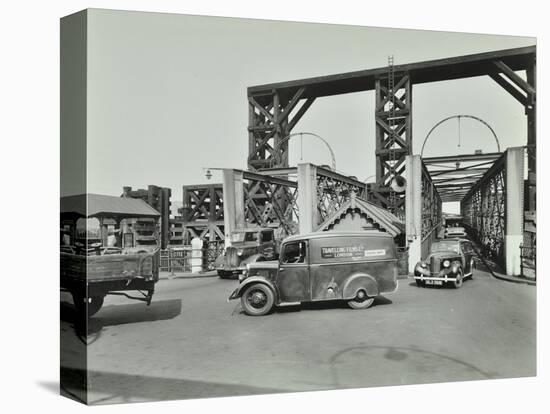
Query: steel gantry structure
[276, 108]
[298, 198]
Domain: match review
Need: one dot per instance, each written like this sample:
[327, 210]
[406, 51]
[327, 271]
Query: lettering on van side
[350, 251]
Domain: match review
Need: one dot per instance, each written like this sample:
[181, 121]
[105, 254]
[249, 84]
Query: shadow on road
[110, 387]
[122, 314]
[328, 304]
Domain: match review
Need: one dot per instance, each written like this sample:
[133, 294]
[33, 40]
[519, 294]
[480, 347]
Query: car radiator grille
[435, 265]
[231, 257]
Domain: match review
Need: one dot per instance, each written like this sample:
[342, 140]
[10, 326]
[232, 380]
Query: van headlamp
[446, 263]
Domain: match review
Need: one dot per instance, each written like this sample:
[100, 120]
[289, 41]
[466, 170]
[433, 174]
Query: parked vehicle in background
[90, 267]
[354, 267]
[246, 246]
[453, 226]
[450, 261]
[455, 231]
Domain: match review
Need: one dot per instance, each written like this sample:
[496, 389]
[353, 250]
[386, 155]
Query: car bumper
[234, 295]
[437, 278]
[443, 275]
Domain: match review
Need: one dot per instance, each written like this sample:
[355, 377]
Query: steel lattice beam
[393, 135]
[202, 212]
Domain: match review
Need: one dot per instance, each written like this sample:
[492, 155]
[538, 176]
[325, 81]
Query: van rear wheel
[361, 301]
[257, 299]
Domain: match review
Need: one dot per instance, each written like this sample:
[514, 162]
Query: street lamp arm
[461, 116]
[287, 138]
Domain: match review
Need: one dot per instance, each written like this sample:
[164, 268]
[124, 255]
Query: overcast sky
[167, 94]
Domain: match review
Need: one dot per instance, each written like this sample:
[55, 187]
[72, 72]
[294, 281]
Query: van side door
[267, 245]
[293, 275]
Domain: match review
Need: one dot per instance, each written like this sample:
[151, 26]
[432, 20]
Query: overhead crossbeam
[453, 176]
[459, 67]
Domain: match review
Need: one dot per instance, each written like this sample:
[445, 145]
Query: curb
[188, 276]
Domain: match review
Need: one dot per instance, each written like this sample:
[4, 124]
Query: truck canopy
[97, 205]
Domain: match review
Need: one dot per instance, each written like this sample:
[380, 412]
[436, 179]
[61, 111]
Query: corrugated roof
[106, 206]
[328, 234]
[388, 221]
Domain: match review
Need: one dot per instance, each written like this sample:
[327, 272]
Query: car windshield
[237, 237]
[445, 246]
[251, 236]
[244, 236]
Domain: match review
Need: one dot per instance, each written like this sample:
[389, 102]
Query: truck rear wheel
[88, 306]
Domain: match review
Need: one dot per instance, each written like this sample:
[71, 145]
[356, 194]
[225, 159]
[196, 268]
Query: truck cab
[246, 246]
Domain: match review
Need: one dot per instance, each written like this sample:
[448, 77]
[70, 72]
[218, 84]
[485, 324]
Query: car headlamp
[446, 263]
[240, 252]
[423, 265]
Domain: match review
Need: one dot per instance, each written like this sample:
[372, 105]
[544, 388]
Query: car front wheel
[459, 280]
[257, 299]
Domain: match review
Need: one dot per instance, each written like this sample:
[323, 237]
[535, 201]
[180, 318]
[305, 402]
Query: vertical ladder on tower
[391, 124]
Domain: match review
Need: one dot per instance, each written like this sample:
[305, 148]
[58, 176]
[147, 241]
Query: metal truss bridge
[495, 192]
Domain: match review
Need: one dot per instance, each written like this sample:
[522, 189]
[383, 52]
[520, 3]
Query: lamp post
[208, 171]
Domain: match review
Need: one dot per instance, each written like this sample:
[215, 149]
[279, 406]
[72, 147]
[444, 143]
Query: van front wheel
[257, 299]
[361, 301]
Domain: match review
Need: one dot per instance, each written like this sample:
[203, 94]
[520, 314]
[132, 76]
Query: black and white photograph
[253, 206]
[278, 222]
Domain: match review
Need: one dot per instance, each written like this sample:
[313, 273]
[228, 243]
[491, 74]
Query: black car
[450, 262]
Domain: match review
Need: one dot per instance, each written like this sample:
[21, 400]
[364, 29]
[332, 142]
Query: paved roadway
[192, 343]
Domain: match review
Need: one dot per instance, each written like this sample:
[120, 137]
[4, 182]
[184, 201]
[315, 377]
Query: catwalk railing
[493, 210]
[483, 211]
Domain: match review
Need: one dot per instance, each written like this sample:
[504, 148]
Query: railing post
[514, 209]
[307, 198]
[233, 204]
[196, 255]
[413, 209]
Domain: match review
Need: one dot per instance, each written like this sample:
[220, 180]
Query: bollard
[196, 255]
